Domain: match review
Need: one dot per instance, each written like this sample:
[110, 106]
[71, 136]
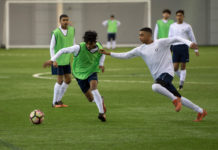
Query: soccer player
[87, 62]
[162, 26]
[179, 49]
[62, 37]
[112, 25]
[158, 58]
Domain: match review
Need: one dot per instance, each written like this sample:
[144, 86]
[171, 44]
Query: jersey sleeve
[118, 23]
[126, 55]
[170, 34]
[172, 40]
[101, 61]
[73, 49]
[52, 46]
[104, 23]
[156, 32]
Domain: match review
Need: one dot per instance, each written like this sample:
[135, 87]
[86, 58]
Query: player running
[112, 25]
[158, 58]
[64, 36]
[181, 50]
[87, 62]
[162, 26]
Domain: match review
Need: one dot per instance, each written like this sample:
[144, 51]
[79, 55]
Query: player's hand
[102, 51]
[55, 64]
[47, 63]
[197, 53]
[194, 46]
[102, 68]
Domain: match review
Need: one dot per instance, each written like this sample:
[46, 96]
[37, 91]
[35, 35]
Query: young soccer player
[62, 37]
[162, 26]
[158, 58]
[87, 62]
[179, 49]
[112, 25]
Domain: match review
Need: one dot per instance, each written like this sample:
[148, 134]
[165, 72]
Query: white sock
[57, 88]
[178, 73]
[113, 44]
[162, 90]
[108, 45]
[63, 89]
[182, 76]
[191, 105]
[98, 100]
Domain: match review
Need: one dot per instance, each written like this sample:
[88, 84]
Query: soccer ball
[37, 116]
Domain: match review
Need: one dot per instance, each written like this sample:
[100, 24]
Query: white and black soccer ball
[37, 116]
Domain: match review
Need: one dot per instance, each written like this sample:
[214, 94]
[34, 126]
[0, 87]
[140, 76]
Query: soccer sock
[178, 73]
[108, 45]
[113, 44]
[98, 100]
[191, 105]
[182, 76]
[162, 90]
[56, 92]
[63, 89]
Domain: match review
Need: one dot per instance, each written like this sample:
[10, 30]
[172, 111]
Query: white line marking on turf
[39, 75]
[4, 77]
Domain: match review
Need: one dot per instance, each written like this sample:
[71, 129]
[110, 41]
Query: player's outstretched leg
[162, 90]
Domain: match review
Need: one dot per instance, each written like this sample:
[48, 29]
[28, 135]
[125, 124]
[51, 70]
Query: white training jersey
[156, 55]
[183, 30]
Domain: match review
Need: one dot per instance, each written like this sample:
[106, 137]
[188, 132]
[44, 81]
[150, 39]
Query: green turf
[137, 118]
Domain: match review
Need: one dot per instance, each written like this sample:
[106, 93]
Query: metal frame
[8, 2]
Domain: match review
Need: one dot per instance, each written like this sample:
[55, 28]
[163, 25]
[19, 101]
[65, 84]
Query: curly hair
[90, 36]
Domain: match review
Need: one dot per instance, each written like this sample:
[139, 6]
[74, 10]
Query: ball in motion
[37, 116]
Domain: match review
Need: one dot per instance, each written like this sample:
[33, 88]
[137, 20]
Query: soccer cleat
[59, 104]
[180, 88]
[177, 103]
[200, 116]
[102, 117]
[104, 107]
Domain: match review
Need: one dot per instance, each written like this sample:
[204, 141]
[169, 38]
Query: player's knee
[155, 87]
[60, 82]
[68, 81]
[90, 98]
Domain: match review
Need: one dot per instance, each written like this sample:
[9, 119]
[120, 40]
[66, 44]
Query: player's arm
[172, 40]
[101, 62]
[170, 34]
[155, 32]
[52, 46]
[118, 23]
[73, 49]
[104, 23]
[192, 38]
[126, 55]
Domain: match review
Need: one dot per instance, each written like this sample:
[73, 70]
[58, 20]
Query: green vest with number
[63, 41]
[86, 62]
[112, 26]
[163, 28]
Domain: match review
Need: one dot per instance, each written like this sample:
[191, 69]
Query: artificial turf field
[137, 118]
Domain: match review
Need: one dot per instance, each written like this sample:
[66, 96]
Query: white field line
[39, 76]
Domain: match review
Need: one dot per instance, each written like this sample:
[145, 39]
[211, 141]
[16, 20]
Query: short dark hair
[180, 11]
[90, 36]
[166, 11]
[146, 29]
[112, 16]
[63, 16]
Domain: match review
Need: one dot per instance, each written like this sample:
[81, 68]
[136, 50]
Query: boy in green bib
[112, 24]
[63, 36]
[87, 62]
[162, 26]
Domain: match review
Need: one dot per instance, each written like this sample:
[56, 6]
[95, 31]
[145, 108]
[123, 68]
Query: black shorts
[180, 53]
[111, 36]
[85, 84]
[61, 70]
[165, 79]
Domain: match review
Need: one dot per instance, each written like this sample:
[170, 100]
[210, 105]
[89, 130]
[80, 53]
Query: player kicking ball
[87, 62]
[158, 58]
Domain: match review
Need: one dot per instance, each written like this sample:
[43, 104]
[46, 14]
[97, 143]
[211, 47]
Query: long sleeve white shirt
[53, 42]
[156, 55]
[183, 30]
[75, 50]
